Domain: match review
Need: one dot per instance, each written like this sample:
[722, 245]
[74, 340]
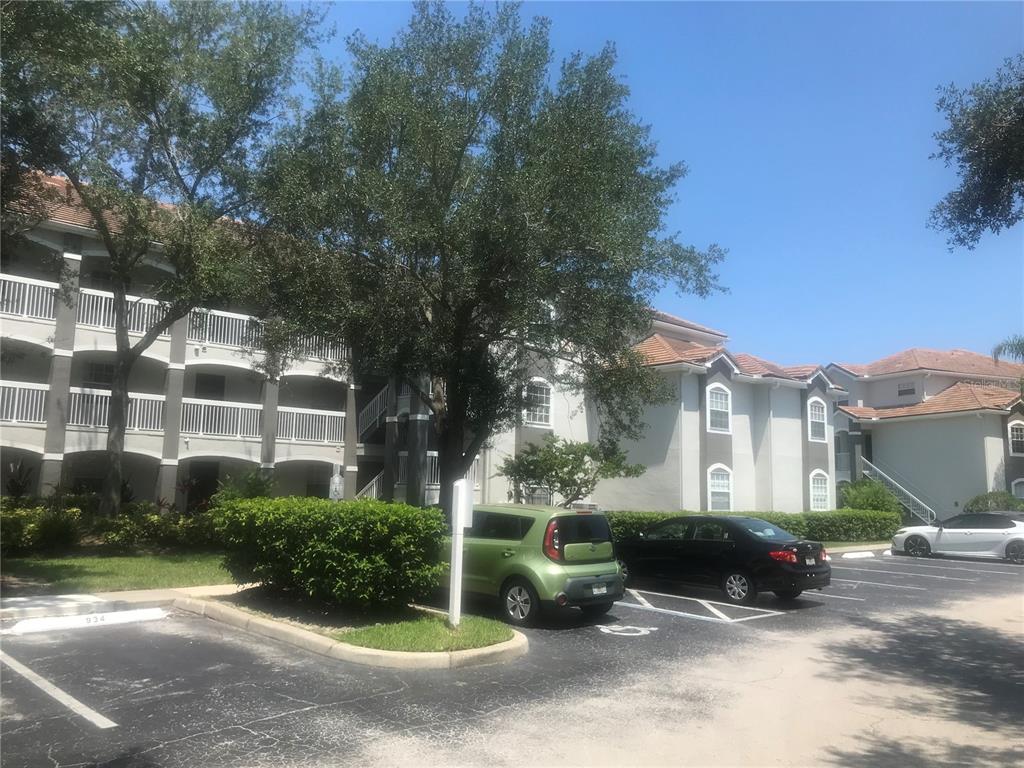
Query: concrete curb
[325, 646]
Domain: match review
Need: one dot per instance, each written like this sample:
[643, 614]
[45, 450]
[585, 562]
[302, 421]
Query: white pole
[462, 518]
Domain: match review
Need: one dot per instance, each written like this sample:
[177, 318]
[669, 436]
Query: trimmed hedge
[363, 553]
[995, 501]
[31, 529]
[838, 525]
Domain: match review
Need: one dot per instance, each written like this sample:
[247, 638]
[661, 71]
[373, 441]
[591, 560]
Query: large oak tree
[463, 214]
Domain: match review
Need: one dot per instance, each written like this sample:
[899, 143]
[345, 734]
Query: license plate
[810, 560]
[600, 589]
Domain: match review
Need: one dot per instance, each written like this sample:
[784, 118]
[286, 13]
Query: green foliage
[568, 468]
[362, 553]
[19, 480]
[1012, 347]
[250, 485]
[869, 494]
[838, 525]
[996, 501]
[143, 524]
[19, 528]
[429, 634]
[509, 213]
[985, 141]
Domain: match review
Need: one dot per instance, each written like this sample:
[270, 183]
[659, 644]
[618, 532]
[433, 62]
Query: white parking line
[699, 600]
[903, 573]
[953, 566]
[714, 610]
[641, 598]
[880, 584]
[671, 613]
[53, 691]
[835, 597]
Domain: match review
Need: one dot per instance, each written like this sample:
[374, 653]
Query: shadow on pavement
[976, 674]
[881, 752]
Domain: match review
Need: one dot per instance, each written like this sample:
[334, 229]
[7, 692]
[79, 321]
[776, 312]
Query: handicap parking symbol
[625, 631]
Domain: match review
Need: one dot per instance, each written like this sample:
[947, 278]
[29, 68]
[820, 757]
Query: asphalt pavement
[183, 690]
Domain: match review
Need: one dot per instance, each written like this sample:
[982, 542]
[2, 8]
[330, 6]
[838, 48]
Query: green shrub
[837, 525]
[358, 553]
[58, 528]
[869, 494]
[19, 529]
[251, 485]
[142, 524]
[996, 501]
[123, 533]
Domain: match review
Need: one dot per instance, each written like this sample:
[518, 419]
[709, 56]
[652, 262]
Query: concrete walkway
[28, 607]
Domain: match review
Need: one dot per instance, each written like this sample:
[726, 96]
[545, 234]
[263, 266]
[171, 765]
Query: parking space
[183, 690]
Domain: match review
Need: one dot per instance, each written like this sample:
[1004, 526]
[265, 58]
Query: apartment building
[937, 427]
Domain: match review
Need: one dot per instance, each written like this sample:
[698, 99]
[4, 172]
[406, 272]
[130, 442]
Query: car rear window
[577, 529]
[493, 525]
[765, 530]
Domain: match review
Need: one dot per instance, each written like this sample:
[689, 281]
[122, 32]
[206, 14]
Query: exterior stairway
[373, 414]
[911, 503]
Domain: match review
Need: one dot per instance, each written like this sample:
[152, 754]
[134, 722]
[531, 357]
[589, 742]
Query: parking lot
[184, 690]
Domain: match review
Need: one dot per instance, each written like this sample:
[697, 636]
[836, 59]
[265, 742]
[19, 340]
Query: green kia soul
[534, 558]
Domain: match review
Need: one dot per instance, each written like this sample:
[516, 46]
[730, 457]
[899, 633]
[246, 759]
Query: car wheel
[1015, 552]
[916, 546]
[788, 594]
[519, 603]
[596, 610]
[739, 588]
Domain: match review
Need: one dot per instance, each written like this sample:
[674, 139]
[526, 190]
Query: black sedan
[740, 555]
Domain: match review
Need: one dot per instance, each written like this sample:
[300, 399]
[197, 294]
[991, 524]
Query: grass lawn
[109, 573]
[429, 633]
[862, 544]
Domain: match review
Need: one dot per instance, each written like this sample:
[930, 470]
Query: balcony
[22, 402]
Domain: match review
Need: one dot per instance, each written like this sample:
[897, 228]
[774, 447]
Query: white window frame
[718, 386]
[1013, 487]
[810, 422]
[1009, 435]
[828, 491]
[526, 411]
[728, 472]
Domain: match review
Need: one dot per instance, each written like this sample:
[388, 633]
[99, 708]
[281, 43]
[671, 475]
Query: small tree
[985, 141]
[159, 126]
[568, 469]
[869, 494]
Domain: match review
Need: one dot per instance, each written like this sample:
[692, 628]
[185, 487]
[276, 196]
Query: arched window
[538, 403]
[1017, 488]
[820, 495]
[719, 409]
[719, 488]
[1016, 431]
[816, 420]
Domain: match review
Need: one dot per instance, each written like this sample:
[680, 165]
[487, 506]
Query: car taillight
[783, 555]
[552, 547]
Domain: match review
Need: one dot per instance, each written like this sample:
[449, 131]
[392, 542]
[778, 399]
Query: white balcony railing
[307, 425]
[318, 348]
[433, 470]
[96, 309]
[27, 297]
[215, 418]
[22, 402]
[373, 413]
[91, 408]
[228, 329]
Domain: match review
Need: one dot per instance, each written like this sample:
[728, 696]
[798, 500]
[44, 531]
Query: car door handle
[507, 553]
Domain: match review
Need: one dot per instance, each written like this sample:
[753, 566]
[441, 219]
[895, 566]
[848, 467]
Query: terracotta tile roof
[961, 361]
[800, 371]
[663, 350]
[665, 317]
[960, 397]
[757, 366]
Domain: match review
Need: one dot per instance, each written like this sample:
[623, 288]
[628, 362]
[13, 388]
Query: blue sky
[807, 129]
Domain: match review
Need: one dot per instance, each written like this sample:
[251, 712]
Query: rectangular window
[819, 493]
[1017, 438]
[538, 495]
[538, 404]
[720, 491]
[718, 410]
[816, 416]
[906, 389]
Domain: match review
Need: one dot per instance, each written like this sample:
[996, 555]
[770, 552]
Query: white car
[988, 534]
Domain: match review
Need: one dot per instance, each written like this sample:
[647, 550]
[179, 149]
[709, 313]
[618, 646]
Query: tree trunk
[117, 423]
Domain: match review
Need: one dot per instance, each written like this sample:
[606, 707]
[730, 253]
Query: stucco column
[387, 483]
[174, 389]
[856, 452]
[416, 480]
[59, 380]
[351, 451]
[269, 447]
